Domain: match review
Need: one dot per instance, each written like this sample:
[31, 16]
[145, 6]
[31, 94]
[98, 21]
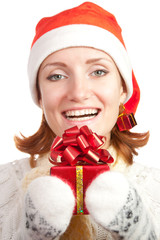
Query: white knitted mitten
[115, 204]
[49, 204]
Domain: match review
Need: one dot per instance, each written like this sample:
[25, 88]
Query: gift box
[126, 121]
[79, 178]
[80, 158]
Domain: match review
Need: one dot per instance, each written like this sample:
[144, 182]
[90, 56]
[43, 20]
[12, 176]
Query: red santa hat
[87, 25]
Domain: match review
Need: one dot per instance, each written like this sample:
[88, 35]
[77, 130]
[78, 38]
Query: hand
[115, 204]
[49, 204]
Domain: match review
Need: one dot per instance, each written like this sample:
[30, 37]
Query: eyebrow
[97, 60]
[55, 64]
[87, 62]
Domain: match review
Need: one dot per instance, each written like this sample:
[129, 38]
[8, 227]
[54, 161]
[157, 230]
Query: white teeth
[81, 115]
[81, 112]
[81, 118]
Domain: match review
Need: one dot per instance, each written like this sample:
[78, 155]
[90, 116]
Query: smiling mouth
[81, 115]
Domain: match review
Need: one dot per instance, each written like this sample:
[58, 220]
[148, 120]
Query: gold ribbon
[133, 119]
[79, 189]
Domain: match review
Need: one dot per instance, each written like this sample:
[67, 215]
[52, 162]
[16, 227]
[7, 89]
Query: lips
[81, 115]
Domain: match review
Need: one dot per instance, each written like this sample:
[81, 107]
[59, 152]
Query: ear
[123, 97]
[123, 92]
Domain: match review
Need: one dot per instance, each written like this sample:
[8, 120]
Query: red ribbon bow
[79, 146]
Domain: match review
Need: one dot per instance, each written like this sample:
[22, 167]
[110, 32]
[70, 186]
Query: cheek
[50, 105]
[110, 96]
[111, 107]
[50, 98]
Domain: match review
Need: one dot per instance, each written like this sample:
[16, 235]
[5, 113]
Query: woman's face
[80, 86]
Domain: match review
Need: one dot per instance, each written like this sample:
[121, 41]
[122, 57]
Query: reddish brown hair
[126, 143]
[39, 143]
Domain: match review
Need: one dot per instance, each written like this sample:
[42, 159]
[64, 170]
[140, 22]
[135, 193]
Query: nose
[79, 89]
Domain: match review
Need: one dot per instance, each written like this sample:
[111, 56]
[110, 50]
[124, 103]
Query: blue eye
[99, 73]
[55, 77]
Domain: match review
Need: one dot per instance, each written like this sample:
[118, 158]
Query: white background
[140, 21]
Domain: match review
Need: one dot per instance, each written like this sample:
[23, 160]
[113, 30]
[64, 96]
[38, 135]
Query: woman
[80, 74]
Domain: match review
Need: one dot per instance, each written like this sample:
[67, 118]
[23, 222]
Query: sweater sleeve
[12, 200]
[147, 182]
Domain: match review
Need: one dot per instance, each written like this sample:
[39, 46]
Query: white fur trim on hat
[80, 35]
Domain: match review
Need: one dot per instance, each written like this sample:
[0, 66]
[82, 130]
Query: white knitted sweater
[146, 181]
